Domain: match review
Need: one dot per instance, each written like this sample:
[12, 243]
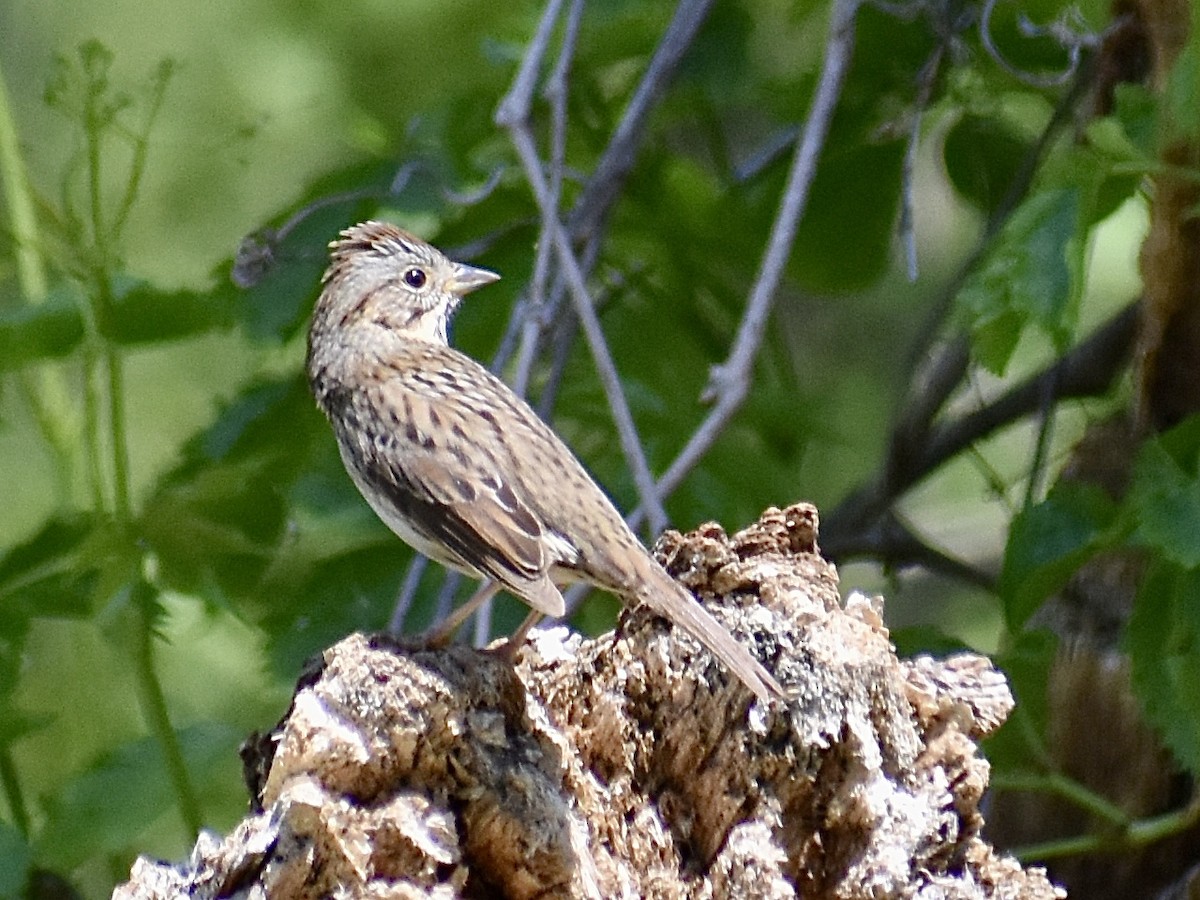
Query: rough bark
[630, 765]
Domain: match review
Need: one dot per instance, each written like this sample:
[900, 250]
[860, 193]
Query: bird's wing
[419, 452]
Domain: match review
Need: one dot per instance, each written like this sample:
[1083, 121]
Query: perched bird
[457, 464]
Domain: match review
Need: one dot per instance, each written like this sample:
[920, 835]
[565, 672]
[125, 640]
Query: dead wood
[630, 765]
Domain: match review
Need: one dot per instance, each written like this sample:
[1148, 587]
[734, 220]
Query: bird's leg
[441, 635]
[509, 649]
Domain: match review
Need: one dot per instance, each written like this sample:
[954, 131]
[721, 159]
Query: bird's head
[381, 275]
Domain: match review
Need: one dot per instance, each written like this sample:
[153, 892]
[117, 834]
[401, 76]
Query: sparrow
[456, 463]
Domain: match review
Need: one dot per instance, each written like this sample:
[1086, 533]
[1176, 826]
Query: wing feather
[419, 453]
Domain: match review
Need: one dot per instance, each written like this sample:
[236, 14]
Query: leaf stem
[91, 418]
[1068, 789]
[1140, 833]
[45, 391]
[120, 438]
[95, 122]
[154, 708]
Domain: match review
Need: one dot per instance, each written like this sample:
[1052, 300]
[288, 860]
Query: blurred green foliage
[179, 534]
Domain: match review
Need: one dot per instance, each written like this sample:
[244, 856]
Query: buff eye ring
[415, 278]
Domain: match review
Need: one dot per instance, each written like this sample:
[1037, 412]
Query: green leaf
[1163, 642]
[53, 329]
[1137, 111]
[48, 575]
[15, 859]
[916, 639]
[1026, 280]
[282, 285]
[143, 315]
[222, 525]
[106, 808]
[250, 426]
[44, 576]
[1182, 95]
[1131, 133]
[1164, 499]
[982, 156]
[1026, 663]
[345, 592]
[32, 333]
[844, 241]
[994, 337]
[16, 723]
[1048, 542]
[215, 523]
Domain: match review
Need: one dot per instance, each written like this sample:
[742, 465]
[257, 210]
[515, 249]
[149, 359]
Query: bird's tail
[671, 600]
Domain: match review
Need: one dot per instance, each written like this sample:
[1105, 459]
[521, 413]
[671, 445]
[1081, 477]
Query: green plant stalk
[1156, 169]
[1140, 833]
[91, 420]
[102, 300]
[154, 708]
[1069, 790]
[1072, 846]
[21, 217]
[120, 438]
[106, 355]
[45, 391]
[141, 146]
[12, 791]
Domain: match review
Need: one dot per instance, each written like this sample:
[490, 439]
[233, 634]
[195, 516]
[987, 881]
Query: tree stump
[630, 765]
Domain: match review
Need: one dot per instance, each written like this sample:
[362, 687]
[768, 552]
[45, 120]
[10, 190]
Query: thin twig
[1041, 448]
[445, 597]
[605, 368]
[1073, 42]
[408, 591]
[535, 320]
[517, 104]
[908, 459]
[605, 184]
[1087, 370]
[597, 197]
[730, 382]
[894, 542]
[944, 368]
[566, 329]
[513, 108]
[482, 631]
[926, 79]
[528, 318]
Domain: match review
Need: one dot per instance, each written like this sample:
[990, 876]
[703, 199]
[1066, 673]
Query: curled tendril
[1069, 31]
[255, 256]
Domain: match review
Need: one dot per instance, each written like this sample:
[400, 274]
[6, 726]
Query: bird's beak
[467, 278]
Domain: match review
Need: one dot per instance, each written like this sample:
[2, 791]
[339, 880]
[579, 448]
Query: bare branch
[518, 102]
[946, 366]
[894, 543]
[610, 173]
[566, 328]
[255, 255]
[556, 94]
[1088, 370]
[1041, 449]
[917, 445]
[602, 188]
[605, 368]
[926, 79]
[730, 381]
[408, 591]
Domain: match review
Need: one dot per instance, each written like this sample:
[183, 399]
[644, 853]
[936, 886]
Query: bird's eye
[415, 278]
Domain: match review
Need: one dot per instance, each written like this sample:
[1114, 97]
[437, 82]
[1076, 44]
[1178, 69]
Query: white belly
[401, 526]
